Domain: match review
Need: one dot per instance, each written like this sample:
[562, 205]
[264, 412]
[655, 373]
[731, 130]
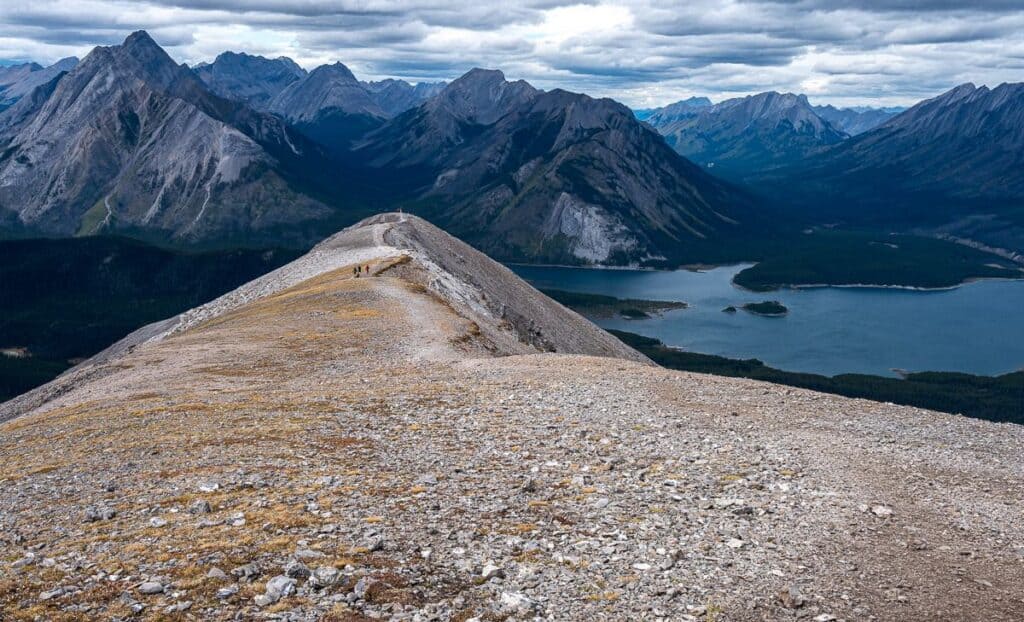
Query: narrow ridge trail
[435, 440]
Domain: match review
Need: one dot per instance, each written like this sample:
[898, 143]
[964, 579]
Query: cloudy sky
[641, 52]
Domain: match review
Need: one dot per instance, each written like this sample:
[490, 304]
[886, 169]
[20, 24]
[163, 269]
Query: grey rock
[518, 603]
[746, 135]
[150, 587]
[281, 585]
[183, 174]
[200, 506]
[791, 598]
[98, 513]
[297, 570]
[324, 576]
[227, 592]
[216, 573]
[246, 572]
[263, 600]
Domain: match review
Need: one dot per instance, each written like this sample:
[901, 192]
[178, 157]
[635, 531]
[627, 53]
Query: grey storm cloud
[643, 52]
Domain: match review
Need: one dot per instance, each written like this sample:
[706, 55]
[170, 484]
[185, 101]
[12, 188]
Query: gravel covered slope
[317, 446]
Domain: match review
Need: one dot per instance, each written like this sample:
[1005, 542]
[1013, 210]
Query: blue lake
[977, 328]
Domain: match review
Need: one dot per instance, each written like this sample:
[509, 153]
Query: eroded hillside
[395, 427]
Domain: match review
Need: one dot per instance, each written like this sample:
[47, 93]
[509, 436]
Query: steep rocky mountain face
[396, 96]
[954, 162]
[666, 115]
[748, 135]
[549, 176]
[130, 141]
[855, 121]
[19, 80]
[254, 80]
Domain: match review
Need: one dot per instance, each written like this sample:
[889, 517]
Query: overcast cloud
[641, 52]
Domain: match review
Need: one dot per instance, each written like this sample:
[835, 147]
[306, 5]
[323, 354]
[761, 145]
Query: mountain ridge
[381, 429]
[949, 164]
[495, 160]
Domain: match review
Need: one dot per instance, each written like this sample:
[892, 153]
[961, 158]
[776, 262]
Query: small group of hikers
[359, 270]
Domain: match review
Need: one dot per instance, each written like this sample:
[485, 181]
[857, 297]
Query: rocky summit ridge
[396, 427]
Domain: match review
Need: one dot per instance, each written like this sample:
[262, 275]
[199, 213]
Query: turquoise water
[977, 328]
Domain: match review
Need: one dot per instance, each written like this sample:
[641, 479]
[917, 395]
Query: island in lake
[770, 308]
[597, 305]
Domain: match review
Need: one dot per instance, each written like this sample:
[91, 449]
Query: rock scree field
[395, 427]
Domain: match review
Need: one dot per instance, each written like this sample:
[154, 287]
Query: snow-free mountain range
[256, 151]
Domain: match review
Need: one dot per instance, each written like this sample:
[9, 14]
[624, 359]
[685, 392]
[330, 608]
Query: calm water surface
[977, 328]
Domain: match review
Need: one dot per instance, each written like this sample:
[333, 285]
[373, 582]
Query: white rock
[881, 511]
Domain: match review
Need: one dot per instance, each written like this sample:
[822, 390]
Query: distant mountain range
[742, 136]
[16, 81]
[328, 104]
[258, 151]
[858, 120]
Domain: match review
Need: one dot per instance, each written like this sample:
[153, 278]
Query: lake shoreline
[702, 268]
[911, 288]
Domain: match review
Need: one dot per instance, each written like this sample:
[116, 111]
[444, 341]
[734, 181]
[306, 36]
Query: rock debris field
[419, 443]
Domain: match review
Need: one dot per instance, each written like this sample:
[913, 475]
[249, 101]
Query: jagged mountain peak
[768, 104]
[229, 55]
[18, 81]
[966, 111]
[478, 76]
[929, 165]
[141, 41]
[140, 56]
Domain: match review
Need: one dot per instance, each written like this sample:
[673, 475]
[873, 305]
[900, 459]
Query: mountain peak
[483, 96]
[249, 78]
[143, 58]
[334, 71]
[478, 75]
[140, 40]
